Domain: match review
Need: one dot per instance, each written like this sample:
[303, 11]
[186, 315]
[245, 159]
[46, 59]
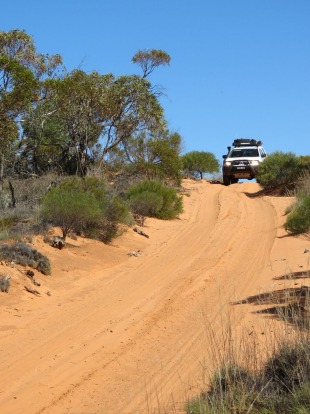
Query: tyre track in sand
[135, 343]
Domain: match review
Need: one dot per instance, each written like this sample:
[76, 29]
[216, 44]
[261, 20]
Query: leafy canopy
[153, 156]
[22, 71]
[70, 209]
[148, 60]
[101, 109]
[280, 171]
[298, 221]
[158, 199]
[198, 163]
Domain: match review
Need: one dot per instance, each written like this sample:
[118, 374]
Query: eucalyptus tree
[88, 110]
[44, 142]
[22, 69]
[97, 108]
[153, 155]
[149, 59]
[198, 163]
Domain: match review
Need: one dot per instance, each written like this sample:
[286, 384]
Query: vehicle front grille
[240, 163]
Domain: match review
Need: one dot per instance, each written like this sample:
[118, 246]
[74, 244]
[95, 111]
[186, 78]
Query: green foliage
[298, 221]
[281, 386]
[198, 163]
[85, 206]
[70, 121]
[148, 60]
[165, 158]
[147, 203]
[18, 45]
[90, 185]
[289, 368]
[25, 255]
[70, 209]
[45, 145]
[305, 159]
[172, 204]
[111, 206]
[303, 185]
[21, 72]
[115, 212]
[7, 221]
[8, 131]
[280, 171]
[85, 116]
[153, 156]
[229, 377]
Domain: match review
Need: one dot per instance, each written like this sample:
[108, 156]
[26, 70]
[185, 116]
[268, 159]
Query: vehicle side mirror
[224, 156]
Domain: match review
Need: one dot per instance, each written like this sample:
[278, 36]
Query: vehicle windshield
[243, 152]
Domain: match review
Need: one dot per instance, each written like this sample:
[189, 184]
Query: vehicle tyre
[226, 179]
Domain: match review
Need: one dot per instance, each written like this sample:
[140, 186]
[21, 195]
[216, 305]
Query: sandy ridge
[126, 334]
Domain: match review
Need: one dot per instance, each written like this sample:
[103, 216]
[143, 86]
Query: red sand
[121, 334]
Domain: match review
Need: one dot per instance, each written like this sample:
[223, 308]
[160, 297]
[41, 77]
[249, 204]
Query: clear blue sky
[239, 68]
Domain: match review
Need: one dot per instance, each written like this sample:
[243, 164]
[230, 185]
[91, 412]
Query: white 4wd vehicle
[242, 160]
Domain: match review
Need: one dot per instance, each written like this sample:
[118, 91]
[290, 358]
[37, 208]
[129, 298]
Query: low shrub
[298, 220]
[15, 225]
[146, 203]
[28, 192]
[25, 255]
[280, 171]
[86, 206]
[157, 200]
[70, 209]
[303, 185]
[7, 221]
[289, 368]
[115, 212]
[282, 386]
[90, 185]
[229, 377]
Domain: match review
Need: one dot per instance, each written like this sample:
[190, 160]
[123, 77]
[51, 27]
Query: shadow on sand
[289, 304]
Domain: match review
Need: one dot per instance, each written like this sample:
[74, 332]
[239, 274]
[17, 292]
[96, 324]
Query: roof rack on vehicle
[241, 142]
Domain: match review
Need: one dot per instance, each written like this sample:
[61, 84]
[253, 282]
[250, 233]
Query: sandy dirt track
[121, 334]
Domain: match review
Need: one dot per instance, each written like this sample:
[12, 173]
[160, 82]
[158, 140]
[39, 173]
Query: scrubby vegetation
[281, 171]
[79, 131]
[6, 223]
[298, 220]
[154, 199]
[25, 255]
[70, 209]
[276, 381]
[286, 174]
[198, 163]
[86, 207]
[280, 386]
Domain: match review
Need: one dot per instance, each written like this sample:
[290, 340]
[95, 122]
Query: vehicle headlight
[227, 163]
[254, 162]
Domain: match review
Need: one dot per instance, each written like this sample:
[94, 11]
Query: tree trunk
[12, 195]
[1, 171]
